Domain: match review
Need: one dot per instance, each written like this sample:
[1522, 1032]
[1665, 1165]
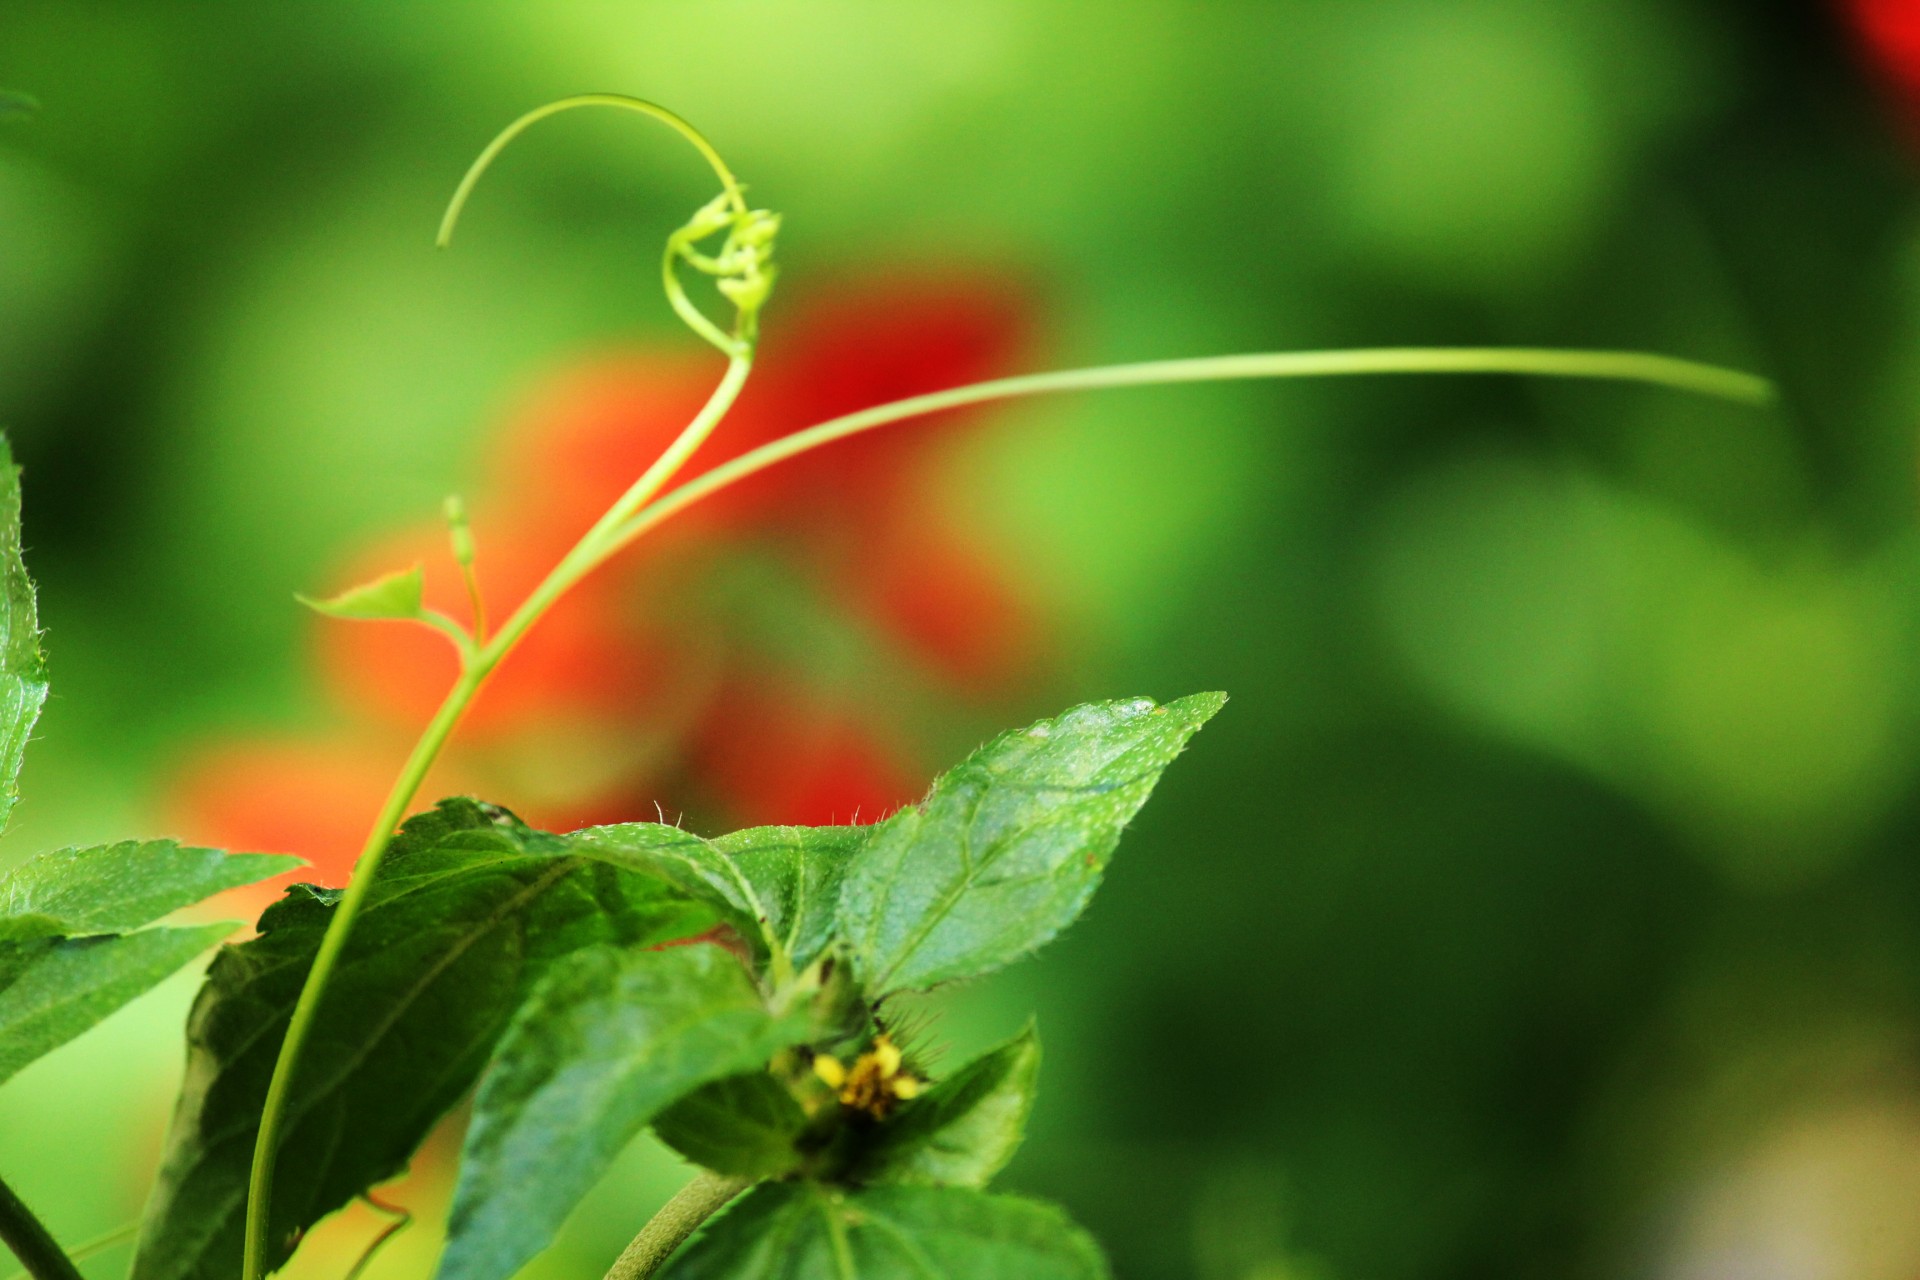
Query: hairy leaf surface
[470, 908]
[606, 1042]
[116, 888]
[778, 886]
[965, 1128]
[805, 1231]
[1006, 849]
[23, 673]
[52, 989]
[744, 1125]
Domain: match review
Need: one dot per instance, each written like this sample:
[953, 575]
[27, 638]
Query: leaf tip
[397, 596]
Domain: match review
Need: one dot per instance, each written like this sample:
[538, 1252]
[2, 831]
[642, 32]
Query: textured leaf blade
[391, 597]
[470, 908]
[1006, 849]
[805, 1231]
[606, 1043]
[796, 873]
[745, 1125]
[778, 886]
[117, 888]
[52, 989]
[964, 1129]
[23, 672]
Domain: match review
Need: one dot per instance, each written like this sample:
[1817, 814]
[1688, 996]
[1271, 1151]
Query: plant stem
[32, 1243]
[593, 548]
[678, 1218]
[1619, 366]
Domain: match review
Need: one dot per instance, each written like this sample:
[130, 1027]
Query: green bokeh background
[1545, 903]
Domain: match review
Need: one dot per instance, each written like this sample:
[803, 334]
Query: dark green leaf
[394, 596]
[1007, 848]
[805, 1231]
[964, 1129]
[23, 674]
[469, 909]
[116, 888]
[608, 1040]
[52, 989]
[778, 886]
[744, 1125]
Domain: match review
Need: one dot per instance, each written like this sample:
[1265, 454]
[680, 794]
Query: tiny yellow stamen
[828, 1068]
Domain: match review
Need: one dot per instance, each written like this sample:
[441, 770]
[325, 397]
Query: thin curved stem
[593, 548]
[679, 1218]
[31, 1242]
[735, 195]
[1619, 366]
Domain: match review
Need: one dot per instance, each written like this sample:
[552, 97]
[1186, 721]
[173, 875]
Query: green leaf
[1007, 848]
[117, 888]
[398, 595]
[55, 981]
[470, 908]
[744, 1125]
[23, 673]
[964, 1129]
[608, 1040]
[52, 989]
[16, 106]
[806, 1231]
[778, 886]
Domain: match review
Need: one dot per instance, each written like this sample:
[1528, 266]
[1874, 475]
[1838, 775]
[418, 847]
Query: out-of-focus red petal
[948, 605]
[775, 756]
[883, 339]
[1889, 33]
[312, 799]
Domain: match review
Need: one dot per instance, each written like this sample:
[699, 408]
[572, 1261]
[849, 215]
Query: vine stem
[640, 509]
[678, 1218]
[31, 1242]
[1617, 366]
[594, 546]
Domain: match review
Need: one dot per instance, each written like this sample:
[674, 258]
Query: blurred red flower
[1889, 33]
[750, 659]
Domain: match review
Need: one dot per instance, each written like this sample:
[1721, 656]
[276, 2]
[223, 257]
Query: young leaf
[397, 595]
[1006, 849]
[608, 1040]
[744, 1125]
[777, 886]
[471, 907]
[23, 674]
[116, 888]
[964, 1129]
[806, 1231]
[52, 989]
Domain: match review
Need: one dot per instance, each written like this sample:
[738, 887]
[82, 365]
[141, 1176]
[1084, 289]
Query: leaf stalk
[679, 1218]
[31, 1242]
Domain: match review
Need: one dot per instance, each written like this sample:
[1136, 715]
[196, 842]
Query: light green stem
[679, 1218]
[593, 548]
[1619, 366]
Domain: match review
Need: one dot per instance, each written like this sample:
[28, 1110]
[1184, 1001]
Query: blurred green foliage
[1545, 901]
